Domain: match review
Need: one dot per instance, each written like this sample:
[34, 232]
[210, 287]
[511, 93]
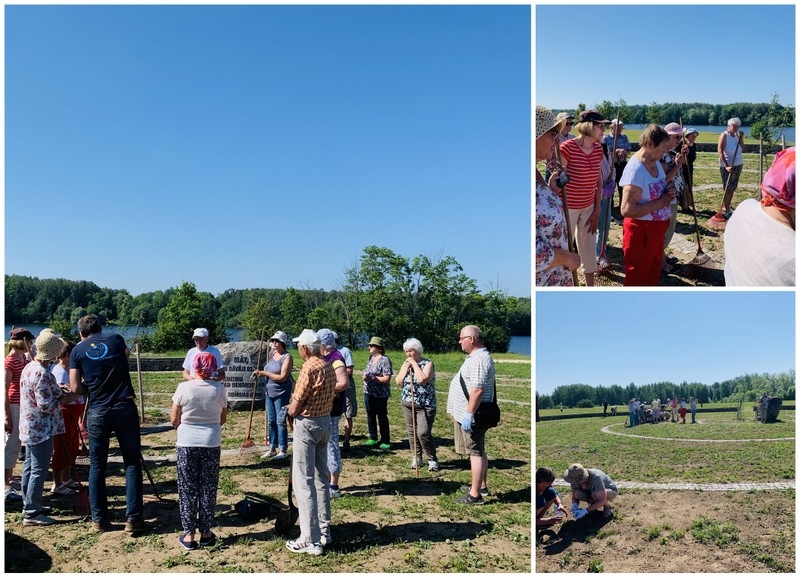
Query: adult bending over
[593, 487]
[199, 409]
[645, 206]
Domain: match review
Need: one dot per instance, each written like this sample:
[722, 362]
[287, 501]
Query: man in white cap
[200, 338]
[310, 409]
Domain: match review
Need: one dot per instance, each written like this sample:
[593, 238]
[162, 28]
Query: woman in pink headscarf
[759, 238]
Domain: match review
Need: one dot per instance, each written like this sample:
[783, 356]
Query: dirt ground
[636, 539]
[387, 520]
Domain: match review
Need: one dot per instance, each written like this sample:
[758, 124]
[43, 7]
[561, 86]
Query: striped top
[583, 171]
[15, 365]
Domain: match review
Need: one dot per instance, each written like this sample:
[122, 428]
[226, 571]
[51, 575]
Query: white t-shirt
[637, 175]
[201, 405]
[187, 363]
[759, 251]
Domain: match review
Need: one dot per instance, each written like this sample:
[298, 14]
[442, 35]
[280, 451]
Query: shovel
[287, 517]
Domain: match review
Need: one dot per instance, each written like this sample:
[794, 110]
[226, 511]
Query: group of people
[589, 485]
[311, 406]
[574, 200]
[639, 412]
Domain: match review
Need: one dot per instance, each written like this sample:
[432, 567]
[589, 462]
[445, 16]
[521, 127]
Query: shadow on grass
[554, 541]
[24, 556]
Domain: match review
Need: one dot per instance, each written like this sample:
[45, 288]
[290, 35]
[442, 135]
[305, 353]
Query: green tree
[176, 322]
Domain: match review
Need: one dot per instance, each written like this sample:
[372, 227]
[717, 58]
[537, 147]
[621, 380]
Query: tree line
[765, 119]
[383, 294]
[745, 388]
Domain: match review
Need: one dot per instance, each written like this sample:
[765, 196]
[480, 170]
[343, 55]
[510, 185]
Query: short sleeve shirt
[652, 188]
[314, 389]
[190, 355]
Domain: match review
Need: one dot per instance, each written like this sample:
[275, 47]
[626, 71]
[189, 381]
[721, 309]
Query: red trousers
[61, 458]
[642, 248]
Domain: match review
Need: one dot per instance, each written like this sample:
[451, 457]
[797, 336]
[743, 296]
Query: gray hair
[475, 331]
[314, 349]
[413, 343]
[734, 121]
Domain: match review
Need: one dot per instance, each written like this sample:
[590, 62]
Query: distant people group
[653, 182]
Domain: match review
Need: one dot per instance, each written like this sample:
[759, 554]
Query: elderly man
[591, 486]
[98, 365]
[477, 374]
[200, 338]
[729, 149]
[310, 409]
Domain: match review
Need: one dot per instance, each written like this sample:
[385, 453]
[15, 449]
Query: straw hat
[575, 474]
[48, 346]
[546, 121]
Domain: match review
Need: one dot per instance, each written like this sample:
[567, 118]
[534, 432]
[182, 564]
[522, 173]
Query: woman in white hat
[278, 371]
[554, 262]
[40, 422]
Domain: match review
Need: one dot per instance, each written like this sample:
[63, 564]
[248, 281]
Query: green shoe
[384, 447]
[371, 442]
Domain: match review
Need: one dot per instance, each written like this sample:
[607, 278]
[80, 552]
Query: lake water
[789, 131]
[519, 343]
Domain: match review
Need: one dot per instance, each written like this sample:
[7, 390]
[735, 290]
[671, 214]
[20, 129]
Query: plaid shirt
[314, 388]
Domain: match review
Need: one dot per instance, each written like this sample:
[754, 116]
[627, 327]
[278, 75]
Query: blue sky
[265, 146]
[621, 337]
[717, 54]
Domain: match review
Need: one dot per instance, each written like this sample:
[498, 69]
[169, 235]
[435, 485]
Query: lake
[519, 343]
[789, 131]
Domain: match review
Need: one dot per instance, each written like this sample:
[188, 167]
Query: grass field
[386, 521]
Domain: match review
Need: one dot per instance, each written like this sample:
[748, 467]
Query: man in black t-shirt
[98, 367]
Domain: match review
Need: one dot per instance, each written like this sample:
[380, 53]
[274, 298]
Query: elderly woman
[377, 377]
[686, 200]
[278, 371]
[593, 487]
[554, 262]
[66, 445]
[672, 162]
[334, 357]
[645, 206]
[760, 237]
[417, 380]
[546, 496]
[620, 157]
[17, 357]
[40, 422]
[581, 157]
[199, 409]
[731, 160]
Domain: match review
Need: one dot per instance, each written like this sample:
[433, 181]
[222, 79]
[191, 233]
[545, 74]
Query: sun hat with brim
[674, 128]
[575, 474]
[307, 337]
[48, 346]
[376, 341]
[546, 121]
[280, 336]
[692, 131]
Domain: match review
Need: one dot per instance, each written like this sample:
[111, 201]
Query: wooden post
[760, 158]
[139, 377]
[783, 142]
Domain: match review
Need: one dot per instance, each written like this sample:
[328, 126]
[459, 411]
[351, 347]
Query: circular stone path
[607, 429]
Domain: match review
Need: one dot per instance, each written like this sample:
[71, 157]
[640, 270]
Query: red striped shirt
[583, 171]
[15, 365]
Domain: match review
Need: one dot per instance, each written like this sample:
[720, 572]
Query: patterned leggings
[198, 477]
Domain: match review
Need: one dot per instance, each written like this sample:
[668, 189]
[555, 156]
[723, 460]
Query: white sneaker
[433, 466]
[305, 548]
[39, 520]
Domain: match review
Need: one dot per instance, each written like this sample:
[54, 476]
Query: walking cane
[413, 421]
[570, 240]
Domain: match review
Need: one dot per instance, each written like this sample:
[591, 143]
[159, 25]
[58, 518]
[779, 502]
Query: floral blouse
[40, 415]
[551, 234]
[380, 365]
[424, 395]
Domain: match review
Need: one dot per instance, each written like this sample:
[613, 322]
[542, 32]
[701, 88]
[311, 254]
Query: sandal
[186, 542]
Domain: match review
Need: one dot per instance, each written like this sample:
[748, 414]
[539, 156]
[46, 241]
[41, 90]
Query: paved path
[739, 487]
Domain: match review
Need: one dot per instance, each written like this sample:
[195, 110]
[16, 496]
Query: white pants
[579, 221]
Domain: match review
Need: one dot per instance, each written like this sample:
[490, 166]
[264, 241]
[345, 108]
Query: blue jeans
[34, 472]
[278, 434]
[122, 419]
[694, 412]
[634, 419]
[603, 224]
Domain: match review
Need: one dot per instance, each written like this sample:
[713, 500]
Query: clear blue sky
[717, 54]
[621, 337]
[265, 146]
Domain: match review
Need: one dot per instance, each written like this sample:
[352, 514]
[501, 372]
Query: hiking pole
[718, 220]
[570, 240]
[248, 442]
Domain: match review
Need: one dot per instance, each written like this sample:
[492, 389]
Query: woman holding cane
[417, 378]
[555, 265]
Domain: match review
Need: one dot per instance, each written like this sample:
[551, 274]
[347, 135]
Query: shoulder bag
[488, 413]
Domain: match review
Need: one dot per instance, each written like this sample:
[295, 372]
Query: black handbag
[488, 413]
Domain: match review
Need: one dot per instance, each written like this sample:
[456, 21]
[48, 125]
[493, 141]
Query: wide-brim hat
[280, 336]
[546, 121]
[575, 474]
[376, 341]
[48, 346]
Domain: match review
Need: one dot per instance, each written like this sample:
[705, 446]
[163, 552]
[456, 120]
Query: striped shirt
[314, 388]
[15, 365]
[583, 171]
[477, 371]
